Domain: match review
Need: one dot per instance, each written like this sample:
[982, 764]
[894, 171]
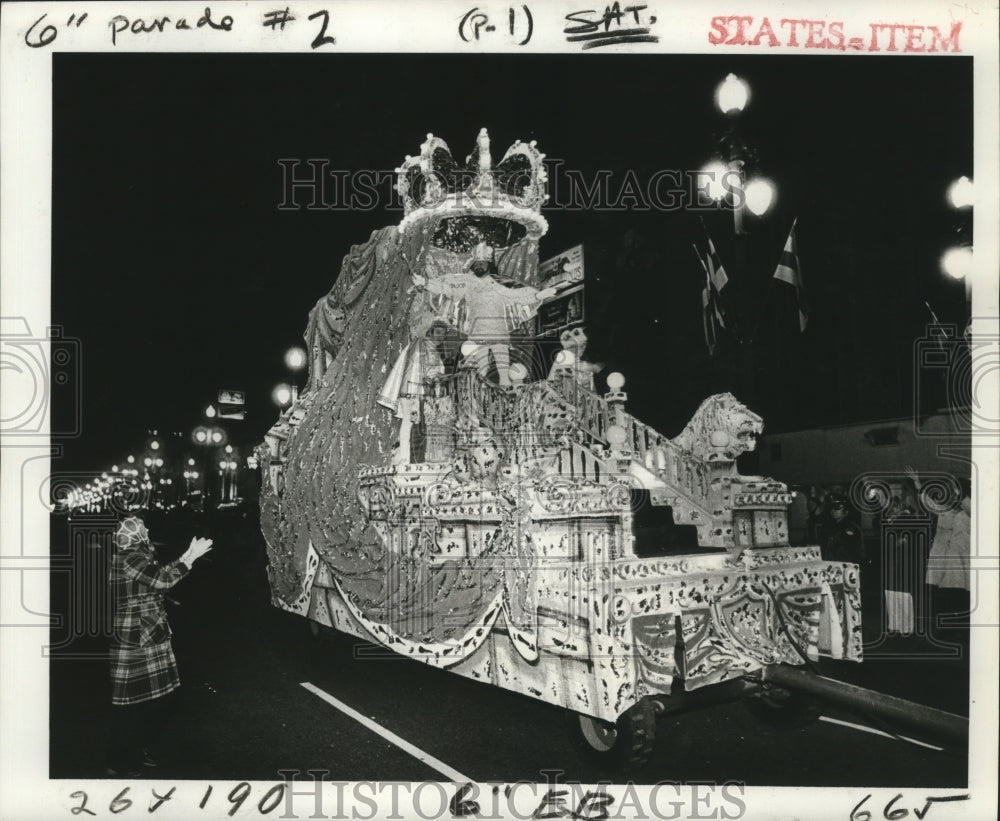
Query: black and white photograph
[428, 410]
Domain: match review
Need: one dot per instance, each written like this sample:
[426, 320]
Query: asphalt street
[244, 712]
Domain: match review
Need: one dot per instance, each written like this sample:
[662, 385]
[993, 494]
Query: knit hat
[131, 533]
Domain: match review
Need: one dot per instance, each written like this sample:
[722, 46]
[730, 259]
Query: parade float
[451, 485]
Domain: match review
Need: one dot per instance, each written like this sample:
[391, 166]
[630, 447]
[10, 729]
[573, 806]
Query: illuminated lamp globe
[282, 395]
[222, 465]
[131, 460]
[210, 412]
[159, 462]
[615, 381]
[616, 435]
[114, 468]
[732, 95]
[957, 262]
[712, 180]
[104, 476]
[229, 448]
[759, 195]
[191, 462]
[201, 435]
[154, 445]
[518, 372]
[295, 358]
[194, 474]
[216, 436]
[232, 465]
[147, 462]
[961, 193]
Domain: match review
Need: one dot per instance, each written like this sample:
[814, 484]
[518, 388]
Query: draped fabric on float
[370, 315]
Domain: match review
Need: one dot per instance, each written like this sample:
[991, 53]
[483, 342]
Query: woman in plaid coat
[143, 667]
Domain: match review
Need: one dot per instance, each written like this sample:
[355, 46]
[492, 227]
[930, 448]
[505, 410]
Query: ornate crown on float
[433, 186]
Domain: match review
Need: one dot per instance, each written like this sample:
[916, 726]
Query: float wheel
[624, 744]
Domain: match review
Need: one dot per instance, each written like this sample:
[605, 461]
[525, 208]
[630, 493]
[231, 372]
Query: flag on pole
[788, 270]
[717, 273]
[710, 313]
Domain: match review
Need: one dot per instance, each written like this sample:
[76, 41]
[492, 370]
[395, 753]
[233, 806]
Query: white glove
[198, 548]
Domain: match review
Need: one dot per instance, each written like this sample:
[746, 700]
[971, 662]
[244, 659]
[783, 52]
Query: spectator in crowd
[143, 667]
[901, 567]
[948, 562]
[816, 505]
[843, 541]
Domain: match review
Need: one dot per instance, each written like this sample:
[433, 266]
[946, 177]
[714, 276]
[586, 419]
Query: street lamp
[732, 95]
[727, 176]
[282, 395]
[957, 263]
[961, 193]
[759, 195]
[295, 359]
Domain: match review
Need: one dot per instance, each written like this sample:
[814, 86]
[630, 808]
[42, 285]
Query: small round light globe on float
[759, 195]
[517, 372]
[131, 460]
[615, 381]
[201, 436]
[217, 436]
[616, 435]
[961, 193]
[154, 445]
[282, 395]
[147, 462]
[295, 359]
[957, 262]
[210, 412]
[191, 462]
[229, 448]
[712, 180]
[158, 462]
[732, 95]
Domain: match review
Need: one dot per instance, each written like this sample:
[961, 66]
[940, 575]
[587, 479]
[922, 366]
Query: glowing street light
[957, 263]
[759, 195]
[961, 193]
[732, 95]
[715, 175]
[282, 395]
[295, 359]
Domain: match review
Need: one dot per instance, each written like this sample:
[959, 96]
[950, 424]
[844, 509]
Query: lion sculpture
[721, 429]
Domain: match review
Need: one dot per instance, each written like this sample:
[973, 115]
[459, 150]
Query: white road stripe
[873, 731]
[402, 743]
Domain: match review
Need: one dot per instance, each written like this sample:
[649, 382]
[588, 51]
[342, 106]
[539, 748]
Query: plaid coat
[143, 666]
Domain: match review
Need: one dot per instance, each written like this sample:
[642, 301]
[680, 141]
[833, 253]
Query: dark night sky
[179, 275]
